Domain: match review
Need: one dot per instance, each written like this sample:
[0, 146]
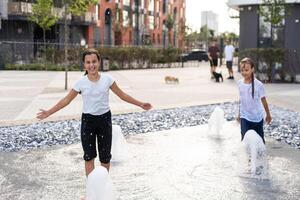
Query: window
[142, 4]
[97, 11]
[181, 13]
[151, 22]
[134, 20]
[126, 2]
[125, 18]
[157, 6]
[151, 5]
[164, 6]
[270, 36]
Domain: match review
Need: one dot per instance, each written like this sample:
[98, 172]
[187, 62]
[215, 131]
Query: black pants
[214, 62]
[256, 126]
[92, 127]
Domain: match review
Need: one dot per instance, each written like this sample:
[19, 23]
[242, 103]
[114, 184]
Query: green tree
[170, 24]
[206, 34]
[229, 36]
[43, 16]
[185, 31]
[77, 8]
[192, 38]
[273, 11]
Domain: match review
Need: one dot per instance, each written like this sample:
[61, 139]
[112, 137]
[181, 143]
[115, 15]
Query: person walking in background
[96, 116]
[229, 53]
[252, 101]
[213, 55]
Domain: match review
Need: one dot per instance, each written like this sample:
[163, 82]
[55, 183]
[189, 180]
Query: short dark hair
[90, 51]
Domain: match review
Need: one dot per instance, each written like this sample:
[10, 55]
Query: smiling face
[247, 70]
[91, 64]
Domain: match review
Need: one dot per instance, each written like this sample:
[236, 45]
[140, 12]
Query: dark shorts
[92, 127]
[229, 64]
[256, 126]
[214, 62]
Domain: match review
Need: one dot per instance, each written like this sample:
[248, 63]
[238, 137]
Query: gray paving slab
[23, 93]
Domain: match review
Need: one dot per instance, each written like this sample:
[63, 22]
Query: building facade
[110, 22]
[210, 19]
[140, 22]
[255, 32]
[157, 23]
[24, 38]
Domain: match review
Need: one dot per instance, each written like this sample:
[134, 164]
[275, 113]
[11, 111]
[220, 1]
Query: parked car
[195, 54]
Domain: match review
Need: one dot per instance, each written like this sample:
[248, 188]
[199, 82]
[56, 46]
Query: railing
[87, 17]
[19, 8]
[24, 8]
[25, 53]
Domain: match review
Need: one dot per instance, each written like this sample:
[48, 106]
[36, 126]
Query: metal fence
[21, 52]
[24, 52]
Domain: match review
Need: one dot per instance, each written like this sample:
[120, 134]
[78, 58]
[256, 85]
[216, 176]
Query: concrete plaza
[23, 93]
[183, 164]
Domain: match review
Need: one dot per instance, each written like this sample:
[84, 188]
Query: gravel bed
[284, 127]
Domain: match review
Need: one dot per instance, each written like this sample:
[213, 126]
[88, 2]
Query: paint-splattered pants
[96, 127]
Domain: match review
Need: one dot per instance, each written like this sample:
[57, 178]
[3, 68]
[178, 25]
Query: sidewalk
[23, 93]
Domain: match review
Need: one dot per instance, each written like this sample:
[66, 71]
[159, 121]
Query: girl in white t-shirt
[252, 100]
[96, 116]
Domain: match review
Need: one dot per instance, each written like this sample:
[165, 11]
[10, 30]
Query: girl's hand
[268, 119]
[238, 119]
[146, 106]
[42, 115]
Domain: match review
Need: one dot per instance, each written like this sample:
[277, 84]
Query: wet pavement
[183, 164]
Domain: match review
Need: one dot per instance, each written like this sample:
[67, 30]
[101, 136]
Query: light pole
[206, 31]
[0, 20]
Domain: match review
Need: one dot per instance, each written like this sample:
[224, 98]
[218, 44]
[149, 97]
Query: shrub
[271, 64]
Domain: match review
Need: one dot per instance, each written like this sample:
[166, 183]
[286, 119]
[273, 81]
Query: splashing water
[216, 122]
[119, 148]
[99, 186]
[256, 152]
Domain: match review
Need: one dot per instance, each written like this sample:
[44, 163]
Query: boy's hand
[146, 106]
[268, 119]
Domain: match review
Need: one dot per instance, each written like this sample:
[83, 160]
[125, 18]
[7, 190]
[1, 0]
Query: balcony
[58, 12]
[19, 8]
[88, 17]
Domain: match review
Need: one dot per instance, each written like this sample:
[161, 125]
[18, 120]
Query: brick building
[110, 22]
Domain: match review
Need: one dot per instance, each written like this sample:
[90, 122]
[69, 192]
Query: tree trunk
[44, 49]
[66, 47]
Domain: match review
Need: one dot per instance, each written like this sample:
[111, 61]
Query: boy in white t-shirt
[96, 116]
[229, 53]
[252, 101]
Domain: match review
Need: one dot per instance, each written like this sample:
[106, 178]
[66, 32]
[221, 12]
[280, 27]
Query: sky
[193, 14]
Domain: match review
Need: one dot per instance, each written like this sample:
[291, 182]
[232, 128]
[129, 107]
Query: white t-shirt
[251, 109]
[95, 95]
[229, 51]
